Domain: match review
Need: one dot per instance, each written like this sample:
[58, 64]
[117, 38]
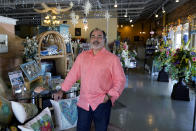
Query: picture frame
[3, 43]
[17, 82]
[31, 70]
[77, 31]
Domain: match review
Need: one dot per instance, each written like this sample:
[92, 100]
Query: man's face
[97, 40]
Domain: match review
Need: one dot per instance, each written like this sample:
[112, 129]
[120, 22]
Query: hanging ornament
[85, 21]
[74, 18]
[72, 14]
[85, 27]
[54, 10]
[107, 15]
[79, 1]
[58, 9]
[87, 7]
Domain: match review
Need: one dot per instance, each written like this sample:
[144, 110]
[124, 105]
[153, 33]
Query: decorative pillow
[66, 114]
[6, 113]
[42, 122]
[24, 111]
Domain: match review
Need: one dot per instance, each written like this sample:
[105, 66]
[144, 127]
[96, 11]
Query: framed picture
[17, 82]
[77, 31]
[3, 43]
[31, 70]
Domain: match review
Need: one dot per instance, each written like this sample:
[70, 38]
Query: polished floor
[145, 105]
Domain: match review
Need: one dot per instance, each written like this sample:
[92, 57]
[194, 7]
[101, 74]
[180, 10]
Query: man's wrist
[108, 96]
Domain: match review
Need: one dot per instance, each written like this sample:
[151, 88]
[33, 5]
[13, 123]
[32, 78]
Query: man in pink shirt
[102, 82]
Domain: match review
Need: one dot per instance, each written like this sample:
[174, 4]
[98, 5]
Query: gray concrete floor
[145, 105]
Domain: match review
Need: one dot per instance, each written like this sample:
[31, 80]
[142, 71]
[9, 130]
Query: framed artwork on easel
[31, 70]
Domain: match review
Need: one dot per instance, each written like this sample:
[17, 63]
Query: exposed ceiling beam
[23, 2]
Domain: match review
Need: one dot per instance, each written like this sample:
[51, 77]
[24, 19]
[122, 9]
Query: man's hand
[58, 95]
[106, 98]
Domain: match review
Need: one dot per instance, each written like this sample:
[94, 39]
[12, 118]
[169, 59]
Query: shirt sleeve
[118, 78]
[73, 75]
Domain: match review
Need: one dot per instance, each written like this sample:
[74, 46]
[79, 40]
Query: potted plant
[181, 64]
[161, 62]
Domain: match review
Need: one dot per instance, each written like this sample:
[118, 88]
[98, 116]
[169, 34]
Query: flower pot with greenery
[161, 61]
[181, 64]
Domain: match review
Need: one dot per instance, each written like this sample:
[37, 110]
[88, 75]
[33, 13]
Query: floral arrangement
[126, 56]
[162, 56]
[30, 49]
[182, 62]
[193, 67]
[133, 53]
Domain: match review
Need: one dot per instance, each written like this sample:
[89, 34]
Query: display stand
[151, 47]
[180, 91]
[194, 109]
[53, 38]
[163, 76]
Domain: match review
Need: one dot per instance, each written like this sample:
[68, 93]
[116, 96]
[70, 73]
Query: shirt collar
[100, 52]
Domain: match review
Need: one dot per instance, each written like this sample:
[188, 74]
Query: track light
[131, 21]
[163, 10]
[156, 15]
[132, 25]
[177, 0]
[125, 13]
[115, 4]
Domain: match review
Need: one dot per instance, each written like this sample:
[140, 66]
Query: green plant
[182, 62]
[30, 49]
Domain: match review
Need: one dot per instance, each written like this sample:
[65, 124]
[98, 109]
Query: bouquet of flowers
[193, 67]
[182, 63]
[162, 57]
[133, 53]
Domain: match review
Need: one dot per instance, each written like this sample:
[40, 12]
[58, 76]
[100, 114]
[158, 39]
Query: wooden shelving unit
[52, 57]
[54, 38]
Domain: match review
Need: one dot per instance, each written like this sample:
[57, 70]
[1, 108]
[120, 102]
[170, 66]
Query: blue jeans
[100, 116]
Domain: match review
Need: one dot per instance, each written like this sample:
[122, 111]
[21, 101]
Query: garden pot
[180, 91]
[163, 76]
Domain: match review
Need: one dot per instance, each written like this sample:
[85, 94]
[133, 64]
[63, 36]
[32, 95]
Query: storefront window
[186, 32]
[171, 35]
[193, 34]
[178, 36]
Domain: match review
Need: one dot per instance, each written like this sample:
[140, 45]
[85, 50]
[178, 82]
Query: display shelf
[52, 57]
[49, 38]
[150, 49]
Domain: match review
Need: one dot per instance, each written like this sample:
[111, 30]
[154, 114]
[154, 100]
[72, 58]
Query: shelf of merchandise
[52, 57]
[54, 38]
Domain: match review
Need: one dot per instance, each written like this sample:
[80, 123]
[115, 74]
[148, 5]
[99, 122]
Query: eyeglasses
[98, 37]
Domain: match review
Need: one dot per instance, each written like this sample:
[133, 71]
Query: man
[102, 82]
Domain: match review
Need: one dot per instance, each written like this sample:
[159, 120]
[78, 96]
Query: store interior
[154, 40]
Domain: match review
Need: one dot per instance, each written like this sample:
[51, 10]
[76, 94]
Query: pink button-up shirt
[100, 74]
